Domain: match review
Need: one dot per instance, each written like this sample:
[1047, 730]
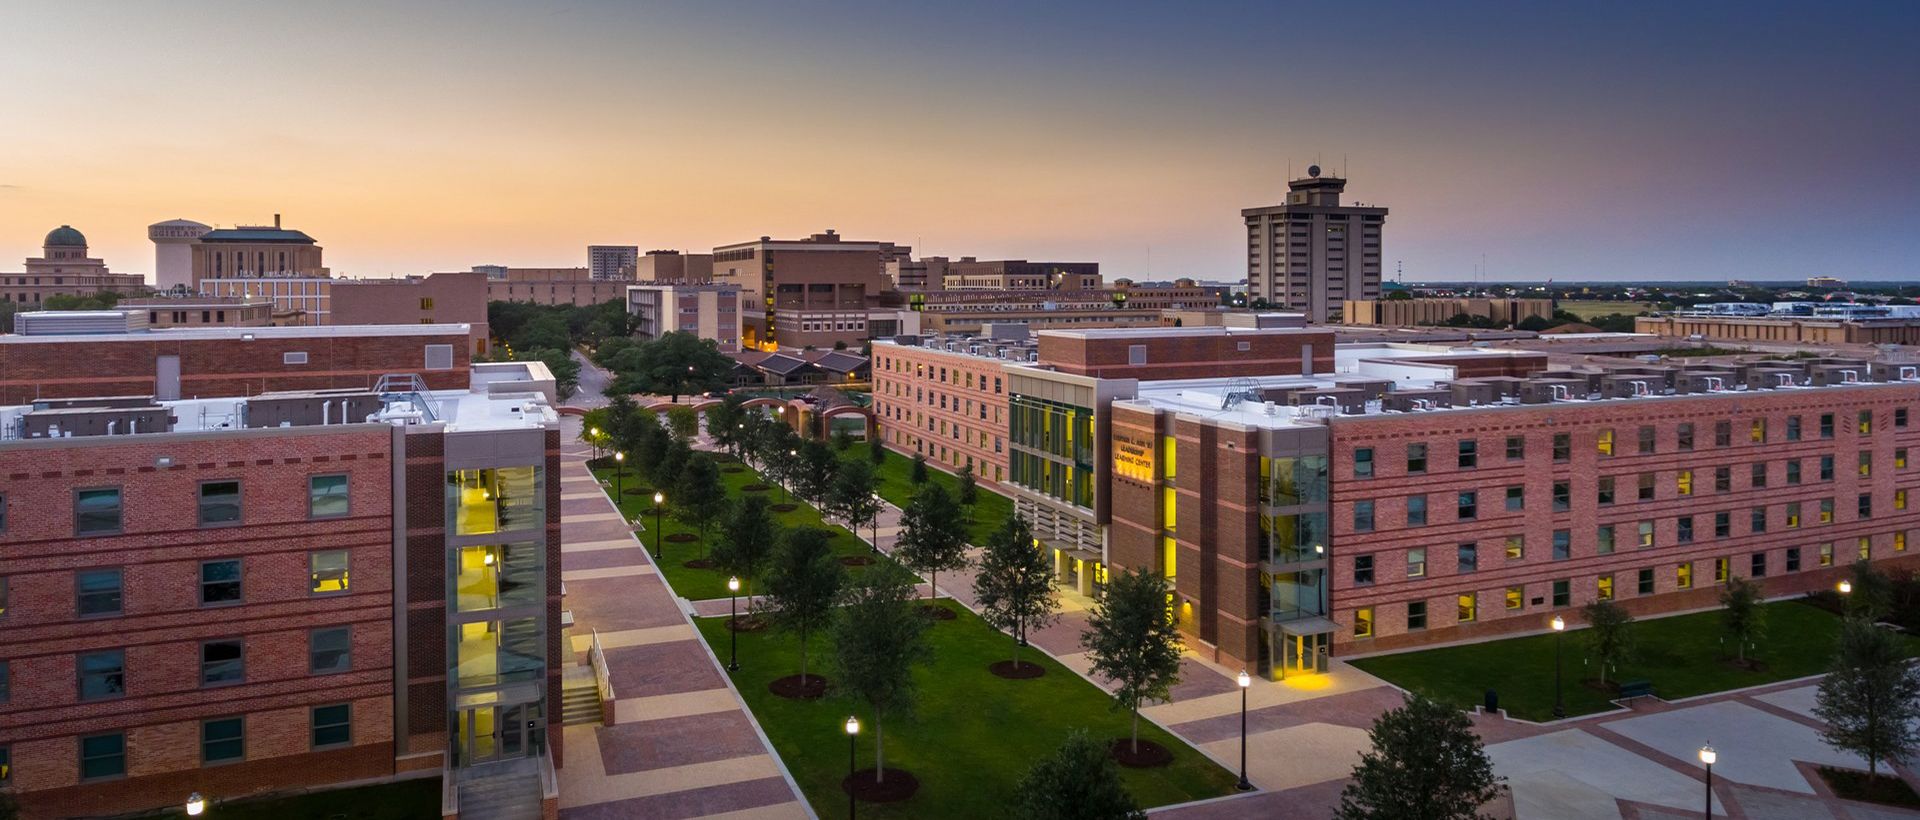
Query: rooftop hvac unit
[1560, 392]
[1783, 379]
[1849, 376]
[1639, 388]
[1908, 374]
[1422, 404]
[1715, 384]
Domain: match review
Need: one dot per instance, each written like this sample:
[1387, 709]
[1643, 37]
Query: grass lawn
[404, 800]
[975, 735]
[896, 486]
[698, 584]
[1589, 308]
[1681, 656]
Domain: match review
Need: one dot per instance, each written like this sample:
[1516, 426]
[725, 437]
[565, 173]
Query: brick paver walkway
[683, 744]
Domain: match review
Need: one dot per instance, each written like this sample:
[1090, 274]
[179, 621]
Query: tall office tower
[1312, 253]
[173, 251]
[612, 261]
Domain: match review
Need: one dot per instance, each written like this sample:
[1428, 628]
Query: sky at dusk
[1698, 140]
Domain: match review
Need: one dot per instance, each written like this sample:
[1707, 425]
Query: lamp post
[792, 457]
[874, 521]
[196, 805]
[1708, 756]
[619, 471]
[1846, 593]
[659, 501]
[593, 438]
[1246, 682]
[853, 735]
[1559, 625]
[733, 624]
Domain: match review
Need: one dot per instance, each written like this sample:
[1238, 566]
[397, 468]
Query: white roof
[245, 333]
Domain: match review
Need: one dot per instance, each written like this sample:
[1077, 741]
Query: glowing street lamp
[619, 472]
[853, 735]
[659, 502]
[1246, 682]
[1708, 756]
[733, 624]
[196, 805]
[1846, 587]
[1559, 625]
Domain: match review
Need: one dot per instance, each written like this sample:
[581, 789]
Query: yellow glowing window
[1866, 422]
[1167, 449]
[328, 571]
[1516, 547]
[1826, 554]
[1826, 511]
[1606, 442]
[495, 500]
[1900, 459]
[1866, 463]
[1169, 557]
[1899, 499]
[1469, 607]
[1793, 514]
[1363, 622]
[1720, 570]
[1603, 587]
[1169, 508]
[1866, 548]
[1684, 482]
[1516, 597]
[1683, 576]
[1757, 432]
[1900, 541]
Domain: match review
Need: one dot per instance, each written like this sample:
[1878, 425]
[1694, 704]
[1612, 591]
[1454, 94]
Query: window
[103, 674]
[1826, 510]
[1899, 545]
[1826, 468]
[1416, 615]
[1516, 498]
[330, 650]
[219, 502]
[426, 303]
[1757, 520]
[1605, 442]
[220, 582]
[294, 357]
[1683, 529]
[1866, 548]
[1603, 588]
[1721, 567]
[1469, 454]
[1417, 562]
[1866, 463]
[1646, 534]
[1683, 576]
[1562, 447]
[1758, 476]
[1826, 554]
[1899, 503]
[1362, 570]
[327, 496]
[97, 592]
[1723, 434]
[1793, 515]
[222, 662]
[1469, 604]
[1603, 540]
[1363, 462]
[1363, 622]
[1793, 471]
[1562, 545]
[1562, 496]
[1646, 439]
[1899, 416]
[6, 689]
[6, 764]
[96, 511]
[1469, 558]
[1469, 505]
[1866, 422]
[1603, 491]
[1684, 436]
[1516, 598]
[1793, 428]
[1363, 516]
[1722, 524]
[1562, 592]
[1826, 425]
[1757, 431]
[1416, 511]
[1793, 559]
[1865, 506]
[1516, 547]
[332, 725]
[1516, 448]
[327, 572]
[1645, 583]
[1722, 479]
[103, 756]
[1683, 482]
[1645, 489]
[1899, 463]
[1757, 565]
[222, 740]
[1416, 458]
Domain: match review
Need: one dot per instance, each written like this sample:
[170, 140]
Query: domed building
[64, 269]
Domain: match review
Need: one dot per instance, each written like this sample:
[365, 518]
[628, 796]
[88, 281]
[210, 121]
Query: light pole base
[733, 667]
[1243, 785]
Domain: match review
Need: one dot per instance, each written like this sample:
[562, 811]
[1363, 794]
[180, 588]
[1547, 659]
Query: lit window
[1417, 562]
[1516, 547]
[1469, 607]
[1605, 442]
[1683, 482]
[1516, 597]
[1603, 587]
[1683, 576]
[1826, 554]
[1363, 622]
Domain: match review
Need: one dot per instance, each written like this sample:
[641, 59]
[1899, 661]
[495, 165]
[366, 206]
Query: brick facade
[949, 407]
[1188, 354]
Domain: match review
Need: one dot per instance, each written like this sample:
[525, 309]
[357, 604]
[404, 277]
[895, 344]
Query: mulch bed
[638, 491]
[755, 488]
[1609, 688]
[753, 623]
[697, 563]
[937, 612]
[1025, 671]
[681, 537]
[899, 785]
[793, 687]
[733, 469]
[1853, 784]
[855, 560]
[784, 508]
[1750, 664]
[1151, 754]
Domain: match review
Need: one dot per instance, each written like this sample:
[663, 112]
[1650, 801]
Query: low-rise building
[674, 267]
[1415, 312]
[550, 286]
[707, 311]
[64, 269]
[436, 299]
[200, 311]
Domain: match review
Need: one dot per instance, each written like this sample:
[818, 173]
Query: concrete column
[1086, 579]
[1060, 560]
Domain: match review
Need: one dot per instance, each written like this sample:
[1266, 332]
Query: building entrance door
[1306, 653]
[490, 733]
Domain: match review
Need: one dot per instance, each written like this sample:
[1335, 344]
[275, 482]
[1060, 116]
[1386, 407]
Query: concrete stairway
[501, 797]
[579, 699]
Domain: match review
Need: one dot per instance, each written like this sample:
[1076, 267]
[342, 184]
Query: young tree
[1741, 618]
[842, 440]
[877, 642]
[851, 497]
[1426, 764]
[699, 498]
[1609, 635]
[933, 535]
[803, 582]
[1132, 642]
[814, 471]
[1077, 782]
[684, 421]
[1871, 700]
[919, 474]
[747, 537]
[650, 449]
[674, 458]
[726, 422]
[1014, 588]
[968, 491]
[876, 450]
[1872, 595]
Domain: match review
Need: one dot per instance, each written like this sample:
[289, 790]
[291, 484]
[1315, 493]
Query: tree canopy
[1079, 781]
[1870, 702]
[803, 582]
[673, 365]
[1132, 642]
[1426, 764]
[748, 537]
[1014, 586]
[933, 534]
[877, 643]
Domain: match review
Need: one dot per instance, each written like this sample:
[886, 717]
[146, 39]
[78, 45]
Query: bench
[1635, 689]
